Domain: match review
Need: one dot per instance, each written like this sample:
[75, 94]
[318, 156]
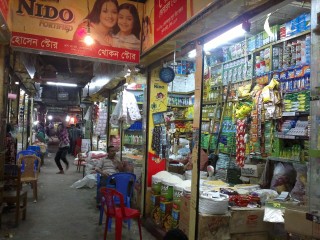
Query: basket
[210, 204]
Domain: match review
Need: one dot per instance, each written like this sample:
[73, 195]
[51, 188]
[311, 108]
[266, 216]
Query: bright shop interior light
[192, 54]
[67, 118]
[35, 123]
[62, 84]
[225, 37]
[50, 117]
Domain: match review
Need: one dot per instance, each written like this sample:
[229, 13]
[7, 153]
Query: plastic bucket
[177, 194]
[156, 185]
[167, 191]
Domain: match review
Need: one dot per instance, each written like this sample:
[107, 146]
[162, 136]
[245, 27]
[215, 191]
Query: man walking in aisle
[64, 144]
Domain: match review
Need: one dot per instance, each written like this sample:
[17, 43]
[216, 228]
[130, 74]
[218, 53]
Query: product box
[148, 202]
[155, 209]
[247, 220]
[184, 214]
[166, 215]
[252, 170]
[295, 222]
[213, 226]
[250, 236]
[175, 218]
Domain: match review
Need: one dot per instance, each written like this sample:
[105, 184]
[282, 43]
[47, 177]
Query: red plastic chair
[120, 212]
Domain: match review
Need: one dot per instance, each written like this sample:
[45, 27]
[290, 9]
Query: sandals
[60, 172]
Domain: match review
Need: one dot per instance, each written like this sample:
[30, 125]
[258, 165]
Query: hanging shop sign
[64, 26]
[4, 7]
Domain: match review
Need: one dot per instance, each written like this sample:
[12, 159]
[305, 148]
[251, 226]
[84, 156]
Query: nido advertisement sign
[61, 26]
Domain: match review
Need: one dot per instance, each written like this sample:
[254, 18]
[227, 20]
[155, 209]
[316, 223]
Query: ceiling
[217, 17]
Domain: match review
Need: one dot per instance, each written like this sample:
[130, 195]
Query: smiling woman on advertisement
[101, 23]
[128, 35]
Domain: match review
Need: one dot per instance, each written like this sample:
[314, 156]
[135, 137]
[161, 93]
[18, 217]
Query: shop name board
[44, 11]
[169, 15]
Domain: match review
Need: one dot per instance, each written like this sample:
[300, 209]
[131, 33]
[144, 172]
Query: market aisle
[62, 212]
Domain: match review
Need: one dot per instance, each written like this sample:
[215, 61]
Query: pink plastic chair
[120, 213]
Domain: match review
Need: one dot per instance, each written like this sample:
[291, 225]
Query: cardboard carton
[184, 214]
[247, 220]
[295, 222]
[213, 226]
[252, 170]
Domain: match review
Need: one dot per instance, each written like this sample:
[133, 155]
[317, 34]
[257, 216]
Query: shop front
[233, 116]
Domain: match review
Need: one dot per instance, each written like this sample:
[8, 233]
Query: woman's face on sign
[125, 21]
[108, 14]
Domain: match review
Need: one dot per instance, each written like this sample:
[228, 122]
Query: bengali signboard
[61, 26]
[163, 17]
[169, 15]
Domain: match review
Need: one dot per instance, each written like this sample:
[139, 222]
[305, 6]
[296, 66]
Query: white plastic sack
[88, 181]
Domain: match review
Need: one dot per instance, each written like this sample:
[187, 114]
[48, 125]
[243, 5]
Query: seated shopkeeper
[107, 167]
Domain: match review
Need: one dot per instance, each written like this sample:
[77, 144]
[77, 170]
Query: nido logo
[35, 9]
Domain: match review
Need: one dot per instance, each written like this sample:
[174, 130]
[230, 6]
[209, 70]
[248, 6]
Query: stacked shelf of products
[270, 78]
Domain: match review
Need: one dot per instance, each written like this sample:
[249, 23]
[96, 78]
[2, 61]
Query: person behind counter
[203, 161]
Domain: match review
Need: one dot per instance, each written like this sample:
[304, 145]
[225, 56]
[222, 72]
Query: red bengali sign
[4, 8]
[51, 44]
[168, 16]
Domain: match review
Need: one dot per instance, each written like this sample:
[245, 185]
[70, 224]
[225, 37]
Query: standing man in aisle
[64, 144]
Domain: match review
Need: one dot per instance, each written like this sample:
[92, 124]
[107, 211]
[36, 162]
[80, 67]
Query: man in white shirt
[110, 164]
[107, 167]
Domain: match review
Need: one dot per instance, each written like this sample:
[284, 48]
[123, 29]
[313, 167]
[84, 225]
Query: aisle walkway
[62, 213]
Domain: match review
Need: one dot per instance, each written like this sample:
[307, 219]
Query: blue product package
[283, 75]
[307, 20]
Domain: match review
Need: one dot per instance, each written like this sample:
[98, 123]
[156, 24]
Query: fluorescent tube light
[229, 35]
[62, 84]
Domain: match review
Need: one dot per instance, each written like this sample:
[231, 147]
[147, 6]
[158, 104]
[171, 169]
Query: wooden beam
[194, 202]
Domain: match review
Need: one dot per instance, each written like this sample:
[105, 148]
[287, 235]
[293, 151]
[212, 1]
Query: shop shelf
[209, 103]
[183, 119]
[293, 114]
[279, 159]
[291, 37]
[133, 144]
[258, 157]
[286, 136]
[179, 106]
[182, 93]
